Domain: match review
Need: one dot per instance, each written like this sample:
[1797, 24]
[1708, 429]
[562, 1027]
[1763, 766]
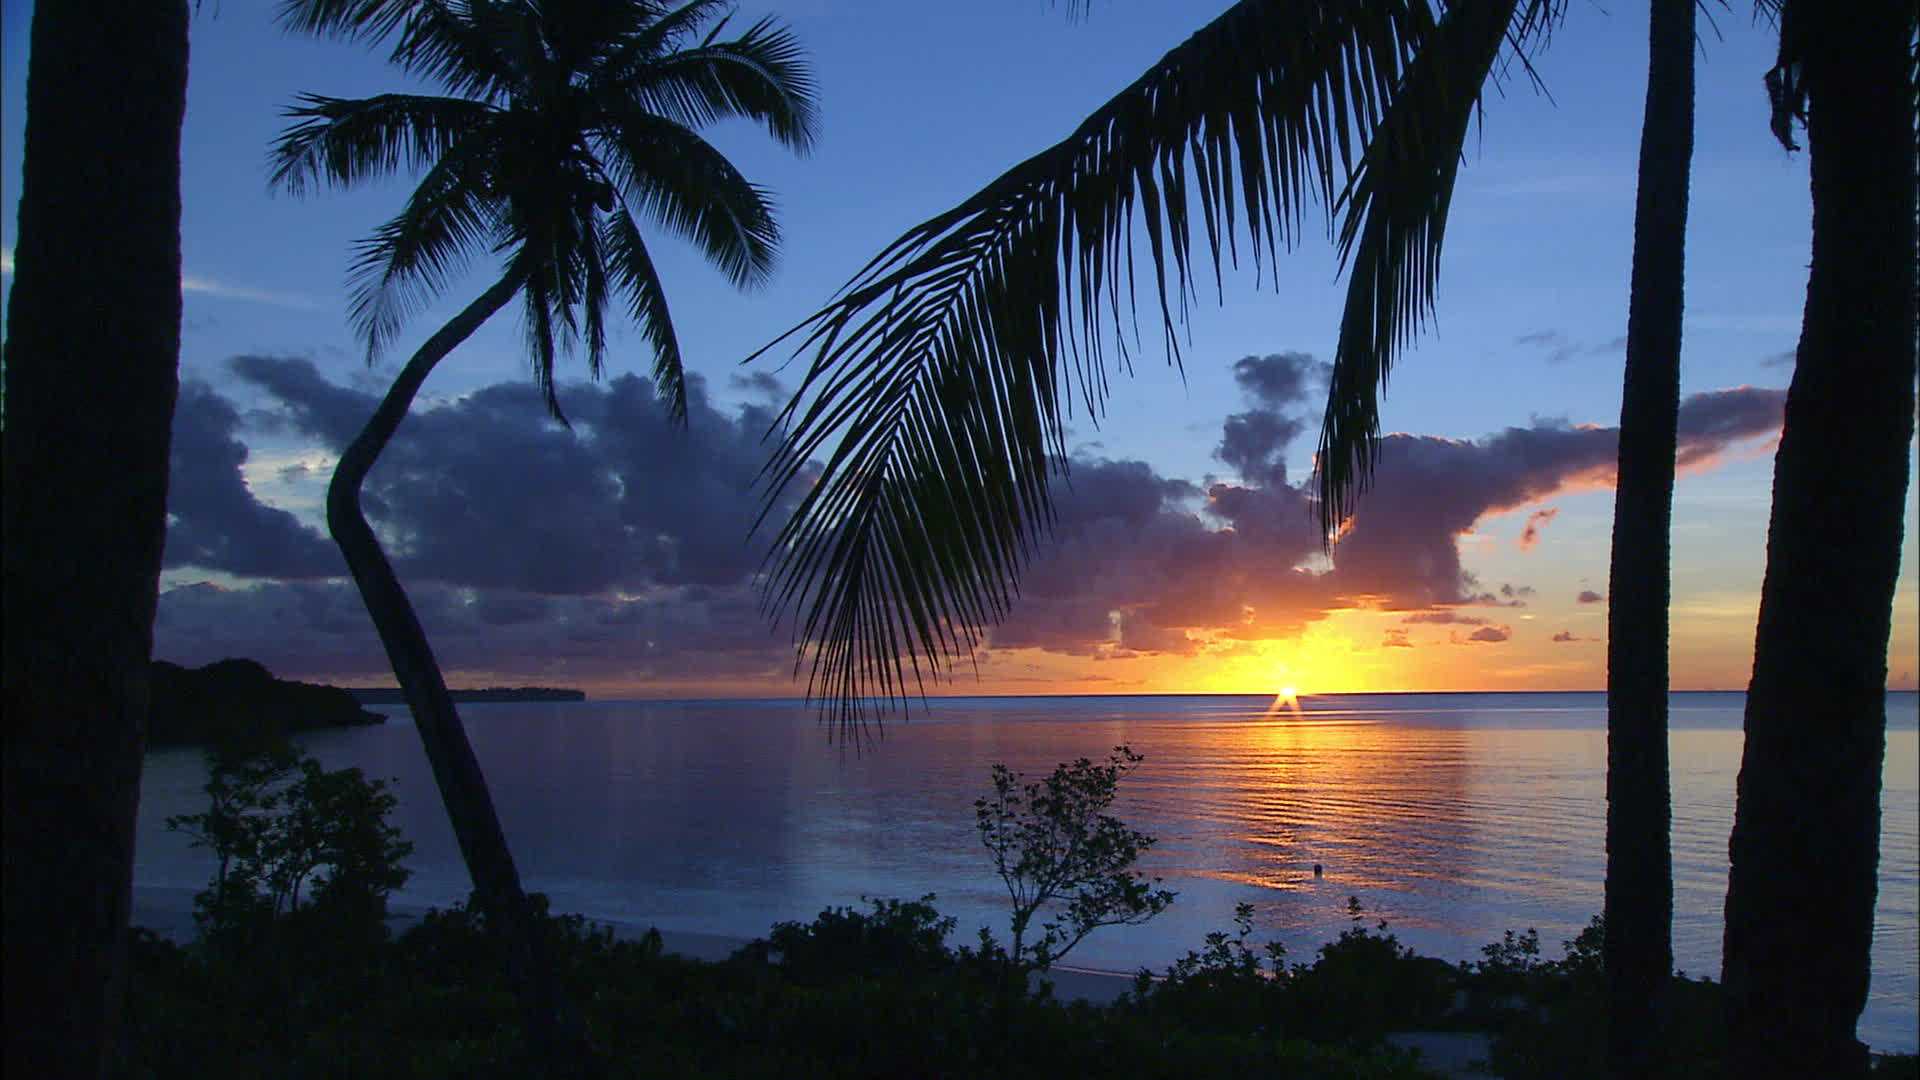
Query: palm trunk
[1638, 954]
[91, 367]
[1805, 849]
[552, 1030]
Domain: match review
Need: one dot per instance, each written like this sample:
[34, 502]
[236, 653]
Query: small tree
[280, 824]
[1053, 841]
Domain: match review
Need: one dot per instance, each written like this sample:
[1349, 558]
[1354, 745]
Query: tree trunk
[91, 372]
[552, 1030]
[1805, 847]
[1638, 954]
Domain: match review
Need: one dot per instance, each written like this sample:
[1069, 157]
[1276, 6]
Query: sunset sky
[614, 557]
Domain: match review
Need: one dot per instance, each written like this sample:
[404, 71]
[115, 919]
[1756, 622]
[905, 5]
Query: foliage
[561, 127]
[279, 824]
[434, 1003]
[941, 378]
[1053, 841]
[901, 936]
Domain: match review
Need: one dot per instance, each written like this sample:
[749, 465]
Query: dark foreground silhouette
[236, 698]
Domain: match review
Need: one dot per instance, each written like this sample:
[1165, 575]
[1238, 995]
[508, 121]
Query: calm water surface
[1452, 816]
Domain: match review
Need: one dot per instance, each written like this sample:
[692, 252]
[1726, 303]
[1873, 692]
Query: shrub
[1053, 841]
[897, 936]
[281, 825]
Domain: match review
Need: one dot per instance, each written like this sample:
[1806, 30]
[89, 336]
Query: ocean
[1452, 817]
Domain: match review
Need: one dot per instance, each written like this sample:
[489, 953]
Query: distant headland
[241, 698]
[391, 695]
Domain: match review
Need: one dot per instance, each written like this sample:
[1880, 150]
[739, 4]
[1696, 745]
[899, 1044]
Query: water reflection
[1455, 817]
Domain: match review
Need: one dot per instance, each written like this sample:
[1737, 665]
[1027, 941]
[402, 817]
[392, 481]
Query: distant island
[238, 698]
[391, 695]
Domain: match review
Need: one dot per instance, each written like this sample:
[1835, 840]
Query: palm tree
[945, 367]
[1805, 849]
[562, 121]
[93, 343]
[1638, 951]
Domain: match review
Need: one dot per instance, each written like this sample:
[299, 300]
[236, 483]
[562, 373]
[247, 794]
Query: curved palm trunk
[551, 1027]
[93, 344]
[1638, 953]
[1805, 847]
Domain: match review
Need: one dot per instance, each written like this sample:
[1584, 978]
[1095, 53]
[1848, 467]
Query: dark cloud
[1444, 618]
[761, 383]
[1784, 358]
[1396, 639]
[320, 630]
[1588, 596]
[1565, 636]
[214, 520]
[487, 492]
[1530, 535]
[1401, 551]
[616, 550]
[1490, 635]
[1559, 348]
[1252, 442]
[1280, 380]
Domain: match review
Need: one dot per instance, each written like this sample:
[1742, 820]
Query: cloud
[486, 492]
[1396, 639]
[1557, 346]
[1530, 536]
[1490, 635]
[214, 521]
[1784, 358]
[1444, 618]
[206, 286]
[1565, 636]
[617, 549]
[320, 630]
[1588, 596]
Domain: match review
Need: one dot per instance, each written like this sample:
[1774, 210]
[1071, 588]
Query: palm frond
[1394, 217]
[678, 179]
[451, 215]
[942, 374]
[656, 33]
[763, 75]
[454, 44]
[342, 141]
[633, 272]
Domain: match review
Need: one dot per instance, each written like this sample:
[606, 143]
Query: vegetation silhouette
[560, 123]
[946, 367]
[91, 372]
[1053, 842]
[234, 698]
[1805, 849]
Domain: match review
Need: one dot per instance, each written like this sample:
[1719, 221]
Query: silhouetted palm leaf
[1393, 218]
[942, 374]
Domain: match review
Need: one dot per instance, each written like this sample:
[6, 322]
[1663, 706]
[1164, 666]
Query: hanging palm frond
[942, 375]
[1393, 219]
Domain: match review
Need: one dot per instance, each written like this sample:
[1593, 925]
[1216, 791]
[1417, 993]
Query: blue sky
[924, 103]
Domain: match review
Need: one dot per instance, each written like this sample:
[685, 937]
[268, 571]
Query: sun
[1289, 695]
